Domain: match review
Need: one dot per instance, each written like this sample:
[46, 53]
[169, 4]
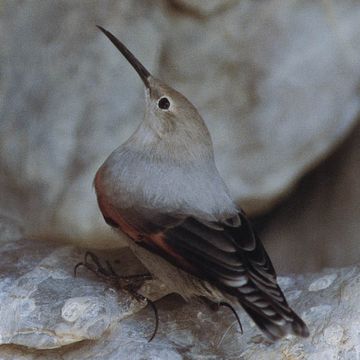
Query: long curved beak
[136, 64]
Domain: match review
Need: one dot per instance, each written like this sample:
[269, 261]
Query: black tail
[277, 325]
[263, 300]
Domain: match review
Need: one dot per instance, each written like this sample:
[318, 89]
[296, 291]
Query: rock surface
[42, 306]
[277, 83]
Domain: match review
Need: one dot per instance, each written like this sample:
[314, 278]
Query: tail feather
[275, 321]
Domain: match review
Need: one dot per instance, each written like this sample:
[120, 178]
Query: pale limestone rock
[322, 283]
[42, 306]
[276, 82]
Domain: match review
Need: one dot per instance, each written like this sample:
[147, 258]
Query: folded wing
[226, 253]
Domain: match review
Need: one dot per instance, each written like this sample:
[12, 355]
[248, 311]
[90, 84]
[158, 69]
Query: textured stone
[276, 82]
[42, 306]
[187, 330]
[322, 283]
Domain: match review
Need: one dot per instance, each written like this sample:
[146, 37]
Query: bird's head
[173, 119]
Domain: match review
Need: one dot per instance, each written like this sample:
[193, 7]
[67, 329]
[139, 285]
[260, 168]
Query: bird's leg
[129, 283]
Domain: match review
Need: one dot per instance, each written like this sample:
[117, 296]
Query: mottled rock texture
[42, 304]
[43, 307]
[277, 83]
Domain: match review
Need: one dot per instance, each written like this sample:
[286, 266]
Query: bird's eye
[164, 103]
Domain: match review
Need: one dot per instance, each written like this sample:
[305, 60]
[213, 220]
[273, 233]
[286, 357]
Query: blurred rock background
[276, 81]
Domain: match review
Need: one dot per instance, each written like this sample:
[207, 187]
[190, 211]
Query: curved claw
[235, 314]
[151, 303]
[77, 266]
[140, 297]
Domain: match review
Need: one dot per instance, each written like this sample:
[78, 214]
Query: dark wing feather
[231, 256]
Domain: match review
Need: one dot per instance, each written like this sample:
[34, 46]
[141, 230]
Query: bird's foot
[129, 283]
[107, 272]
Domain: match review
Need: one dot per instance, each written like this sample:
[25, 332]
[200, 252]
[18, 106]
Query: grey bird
[163, 190]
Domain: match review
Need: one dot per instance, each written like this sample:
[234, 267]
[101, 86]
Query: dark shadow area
[318, 225]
